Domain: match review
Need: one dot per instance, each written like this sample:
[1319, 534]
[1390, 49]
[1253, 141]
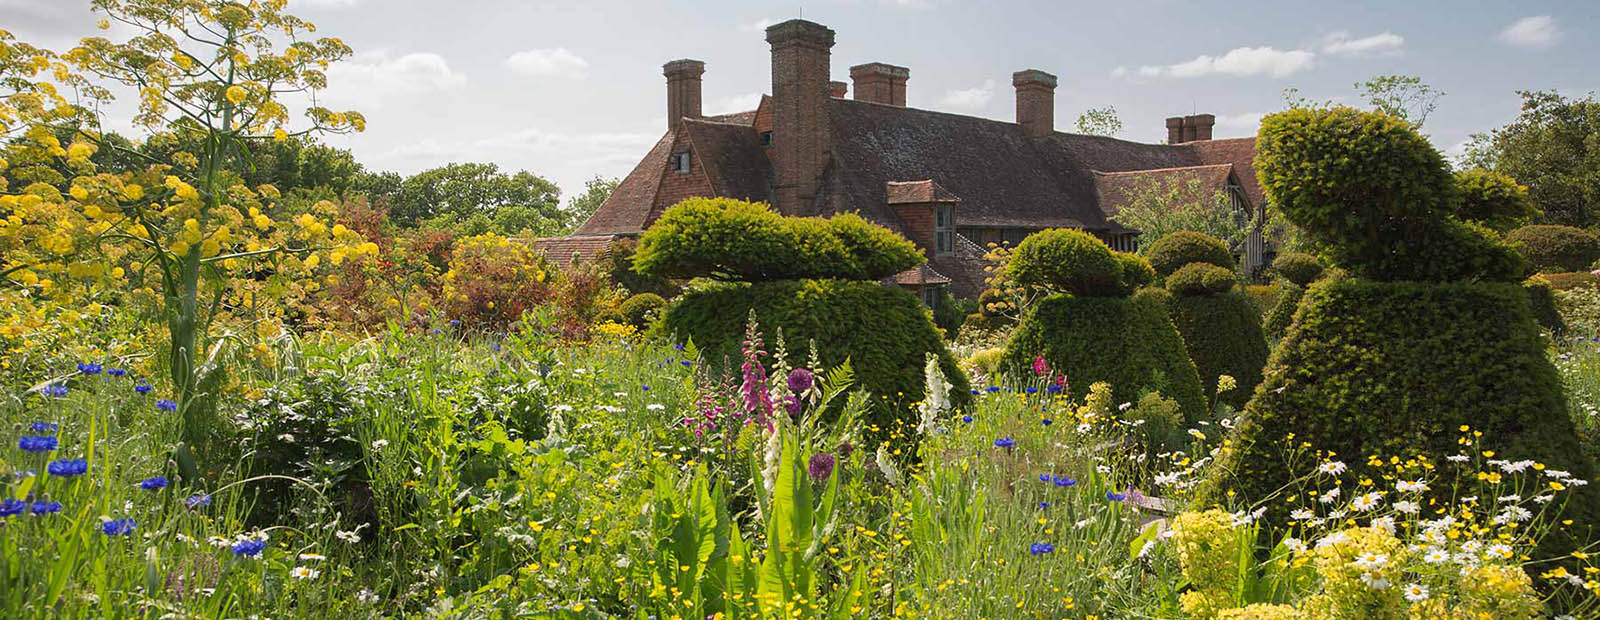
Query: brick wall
[676, 186]
[918, 221]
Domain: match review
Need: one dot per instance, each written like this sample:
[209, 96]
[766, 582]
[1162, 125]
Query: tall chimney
[1203, 124]
[1174, 130]
[879, 82]
[800, 127]
[683, 89]
[1036, 102]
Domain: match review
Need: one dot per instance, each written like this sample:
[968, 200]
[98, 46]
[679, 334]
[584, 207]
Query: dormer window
[944, 230]
[680, 162]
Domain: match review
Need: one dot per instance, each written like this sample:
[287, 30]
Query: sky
[570, 90]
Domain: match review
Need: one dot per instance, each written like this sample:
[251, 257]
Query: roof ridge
[1170, 169]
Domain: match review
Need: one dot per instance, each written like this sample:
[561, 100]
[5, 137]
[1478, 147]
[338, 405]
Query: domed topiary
[1299, 268]
[1136, 271]
[639, 309]
[1555, 249]
[1493, 200]
[1172, 252]
[1201, 279]
[1069, 261]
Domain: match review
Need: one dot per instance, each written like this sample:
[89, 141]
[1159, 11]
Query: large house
[950, 183]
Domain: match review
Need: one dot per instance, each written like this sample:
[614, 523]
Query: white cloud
[759, 25]
[1381, 44]
[370, 78]
[556, 62]
[1243, 121]
[969, 98]
[733, 103]
[1239, 62]
[1536, 31]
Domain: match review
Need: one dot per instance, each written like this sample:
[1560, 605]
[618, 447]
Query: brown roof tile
[1241, 152]
[919, 275]
[585, 248]
[733, 158]
[1117, 189]
[917, 192]
[628, 207]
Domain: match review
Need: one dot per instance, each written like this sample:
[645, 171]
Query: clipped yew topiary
[1200, 279]
[1429, 331]
[639, 309]
[1542, 299]
[1556, 249]
[1282, 313]
[1172, 252]
[1091, 330]
[884, 331]
[1221, 328]
[1493, 200]
[1297, 267]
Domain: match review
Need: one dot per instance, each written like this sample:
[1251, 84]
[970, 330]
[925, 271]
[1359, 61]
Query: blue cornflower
[142, 388]
[54, 390]
[436, 331]
[43, 427]
[153, 484]
[1047, 421]
[992, 389]
[686, 363]
[678, 346]
[645, 387]
[1115, 496]
[1004, 442]
[11, 507]
[248, 548]
[976, 392]
[1033, 390]
[37, 443]
[967, 419]
[495, 347]
[67, 468]
[198, 500]
[1046, 477]
[1044, 505]
[1064, 482]
[455, 322]
[1053, 389]
[117, 372]
[43, 507]
[118, 527]
[166, 405]
[1041, 548]
[89, 368]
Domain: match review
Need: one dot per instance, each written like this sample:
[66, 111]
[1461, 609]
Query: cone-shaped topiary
[1542, 298]
[1172, 252]
[1221, 329]
[1282, 313]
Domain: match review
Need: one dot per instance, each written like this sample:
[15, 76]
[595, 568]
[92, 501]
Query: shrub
[1405, 364]
[640, 309]
[1222, 333]
[1068, 261]
[737, 240]
[304, 431]
[1129, 342]
[1282, 312]
[1542, 298]
[617, 260]
[949, 314]
[1136, 271]
[1264, 296]
[1556, 248]
[1361, 183]
[1170, 253]
[883, 331]
[492, 280]
[1298, 267]
[994, 305]
[1201, 279]
[1450, 250]
[1493, 200]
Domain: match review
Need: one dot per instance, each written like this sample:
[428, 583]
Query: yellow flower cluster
[1207, 549]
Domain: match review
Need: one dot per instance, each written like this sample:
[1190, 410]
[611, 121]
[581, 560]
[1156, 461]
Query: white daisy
[1331, 496]
[304, 572]
[1372, 560]
[1366, 502]
[1436, 555]
[1407, 486]
[1332, 468]
[1294, 544]
[1302, 514]
[1407, 507]
[1416, 593]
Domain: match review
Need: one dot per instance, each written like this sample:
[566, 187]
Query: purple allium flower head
[821, 466]
[800, 380]
[37, 443]
[118, 527]
[845, 449]
[153, 484]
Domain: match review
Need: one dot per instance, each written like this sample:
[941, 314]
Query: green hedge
[1556, 249]
[1170, 253]
[1282, 313]
[1068, 261]
[1136, 271]
[1405, 364]
[1222, 334]
[737, 240]
[884, 331]
[1201, 279]
[1127, 341]
[1298, 267]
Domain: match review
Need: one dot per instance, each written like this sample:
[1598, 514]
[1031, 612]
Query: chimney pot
[879, 82]
[1036, 101]
[837, 89]
[1203, 124]
[800, 125]
[683, 89]
[1174, 130]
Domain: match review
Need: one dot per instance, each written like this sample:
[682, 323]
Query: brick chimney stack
[838, 89]
[1190, 128]
[879, 82]
[800, 128]
[1036, 102]
[683, 89]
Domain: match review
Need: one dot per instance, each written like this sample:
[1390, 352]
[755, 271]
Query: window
[766, 138]
[680, 162]
[1013, 236]
[974, 235]
[944, 229]
[930, 295]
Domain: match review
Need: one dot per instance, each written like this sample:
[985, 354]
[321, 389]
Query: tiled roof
[628, 207]
[1117, 189]
[915, 192]
[561, 250]
[1241, 152]
[733, 159]
[919, 275]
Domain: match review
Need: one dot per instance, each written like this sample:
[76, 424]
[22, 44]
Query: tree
[1100, 122]
[595, 193]
[210, 75]
[1157, 207]
[461, 190]
[1553, 147]
[1403, 96]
